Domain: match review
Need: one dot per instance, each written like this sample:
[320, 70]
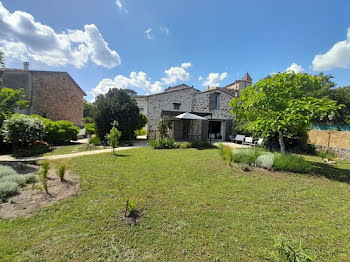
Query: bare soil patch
[32, 196]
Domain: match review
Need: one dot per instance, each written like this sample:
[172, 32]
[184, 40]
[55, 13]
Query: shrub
[45, 169]
[60, 132]
[18, 179]
[326, 154]
[7, 188]
[292, 163]
[163, 128]
[226, 154]
[23, 130]
[244, 167]
[247, 156]
[61, 171]
[94, 140]
[6, 171]
[38, 148]
[140, 132]
[201, 144]
[265, 160]
[113, 136]
[185, 145]
[163, 143]
[90, 128]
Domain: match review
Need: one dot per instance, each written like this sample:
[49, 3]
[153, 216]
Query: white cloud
[148, 34]
[165, 30]
[135, 80]
[141, 81]
[336, 57]
[214, 79]
[295, 67]
[176, 73]
[120, 6]
[41, 43]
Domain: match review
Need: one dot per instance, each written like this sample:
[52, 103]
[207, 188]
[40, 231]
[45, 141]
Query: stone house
[211, 104]
[54, 95]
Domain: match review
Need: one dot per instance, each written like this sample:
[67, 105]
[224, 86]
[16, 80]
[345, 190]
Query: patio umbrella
[190, 116]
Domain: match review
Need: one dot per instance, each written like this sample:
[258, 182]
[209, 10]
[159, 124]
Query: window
[177, 105]
[216, 102]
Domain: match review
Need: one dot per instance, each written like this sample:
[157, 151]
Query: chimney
[26, 66]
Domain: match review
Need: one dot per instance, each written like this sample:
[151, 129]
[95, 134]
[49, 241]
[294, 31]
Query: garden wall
[337, 141]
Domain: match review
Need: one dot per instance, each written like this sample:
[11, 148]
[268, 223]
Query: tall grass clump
[246, 156]
[226, 153]
[61, 171]
[265, 160]
[327, 154]
[292, 163]
[44, 170]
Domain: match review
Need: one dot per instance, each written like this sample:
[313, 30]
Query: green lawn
[195, 208]
[62, 150]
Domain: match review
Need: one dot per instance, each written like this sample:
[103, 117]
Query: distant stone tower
[240, 84]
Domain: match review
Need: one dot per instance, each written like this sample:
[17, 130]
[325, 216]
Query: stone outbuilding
[211, 104]
[54, 95]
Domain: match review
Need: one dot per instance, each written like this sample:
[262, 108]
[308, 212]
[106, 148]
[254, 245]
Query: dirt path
[9, 158]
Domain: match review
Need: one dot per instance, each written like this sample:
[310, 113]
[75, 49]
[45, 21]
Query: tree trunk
[281, 141]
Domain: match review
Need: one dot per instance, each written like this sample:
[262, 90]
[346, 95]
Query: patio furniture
[248, 141]
[259, 142]
[239, 138]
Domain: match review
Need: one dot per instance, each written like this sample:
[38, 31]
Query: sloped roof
[247, 77]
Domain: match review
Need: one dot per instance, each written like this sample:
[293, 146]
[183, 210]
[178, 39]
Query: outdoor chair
[248, 141]
[259, 142]
[239, 138]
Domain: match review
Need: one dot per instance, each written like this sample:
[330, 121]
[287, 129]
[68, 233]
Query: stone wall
[54, 95]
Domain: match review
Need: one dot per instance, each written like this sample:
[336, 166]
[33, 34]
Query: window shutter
[211, 101]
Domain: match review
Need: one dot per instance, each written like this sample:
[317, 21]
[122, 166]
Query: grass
[195, 208]
[63, 150]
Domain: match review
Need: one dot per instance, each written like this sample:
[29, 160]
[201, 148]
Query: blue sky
[149, 45]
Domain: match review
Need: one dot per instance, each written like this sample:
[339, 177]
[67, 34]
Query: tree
[278, 105]
[117, 105]
[130, 92]
[2, 63]
[142, 122]
[342, 96]
[163, 129]
[89, 111]
[113, 136]
[11, 99]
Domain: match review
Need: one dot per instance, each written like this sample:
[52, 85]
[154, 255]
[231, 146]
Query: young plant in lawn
[113, 136]
[61, 171]
[45, 169]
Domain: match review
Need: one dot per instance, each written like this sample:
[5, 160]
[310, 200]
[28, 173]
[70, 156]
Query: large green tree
[117, 105]
[89, 111]
[11, 99]
[279, 104]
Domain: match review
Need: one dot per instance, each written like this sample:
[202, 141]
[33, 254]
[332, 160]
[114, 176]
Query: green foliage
[11, 99]
[94, 140]
[113, 136]
[23, 130]
[163, 128]
[286, 251]
[226, 154]
[292, 163]
[163, 143]
[130, 207]
[140, 132]
[60, 132]
[141, 123]
[7, 188]
[327, 154]
[117, 105]
[185, 145]
[201, 144]
[37, 148]
[246, 156]
[265, 160]
[342, 96]
[278, 105]
[45, 166]
[6, 171]
[244, 167]
[89, 111]
[90, 128]
[61, 171]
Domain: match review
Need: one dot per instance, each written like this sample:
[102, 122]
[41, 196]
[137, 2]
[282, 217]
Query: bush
[6, 171]
[23, 130]
[18, 179]
[265, 160]
[94, 140]
[140, 132]
[292, 163]
[246, 156]
[7, 188]
[201, 144]
[38, 148]
[90, 128]
[185, 145]
[163, 143]
[60, 132]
